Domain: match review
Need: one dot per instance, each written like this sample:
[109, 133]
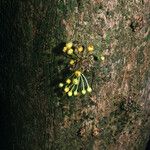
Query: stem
[70, 85]
[82, 82]
[77, 55]
[78, 84]
[71, 75]
[85, 80]
[72, 88]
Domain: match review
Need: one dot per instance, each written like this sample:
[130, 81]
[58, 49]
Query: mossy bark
[115, 115]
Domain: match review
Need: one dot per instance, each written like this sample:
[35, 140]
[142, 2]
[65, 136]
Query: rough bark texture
[35, 115]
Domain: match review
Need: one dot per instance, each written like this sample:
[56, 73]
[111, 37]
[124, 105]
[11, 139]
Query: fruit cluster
[80, 60]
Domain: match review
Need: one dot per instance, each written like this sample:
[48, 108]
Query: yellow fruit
[83, 92]
[70, 93]
[75, 81]
[61, 85]
[69, 45]
[78, 73]
[65, 49]
[80, 49]
[66, 89]
[90, 48]
[70, 51]
[71, 62]
[75, 93]
[68, 81]
[89, 89]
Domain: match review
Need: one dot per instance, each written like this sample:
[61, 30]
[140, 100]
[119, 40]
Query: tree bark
[35, 115]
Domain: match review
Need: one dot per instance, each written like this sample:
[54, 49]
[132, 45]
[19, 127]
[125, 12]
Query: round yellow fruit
[66, 89]
[75, 93]
[61, 85]
[89, 89]
[90, 48]
[68, 81]
[83, 92]
[70, 51]
[65, 49]
[80, 49]
[70, 93]
[71, 62]
[78, 73]
[69, 45]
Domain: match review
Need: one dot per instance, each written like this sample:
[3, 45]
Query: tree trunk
[36, 116]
